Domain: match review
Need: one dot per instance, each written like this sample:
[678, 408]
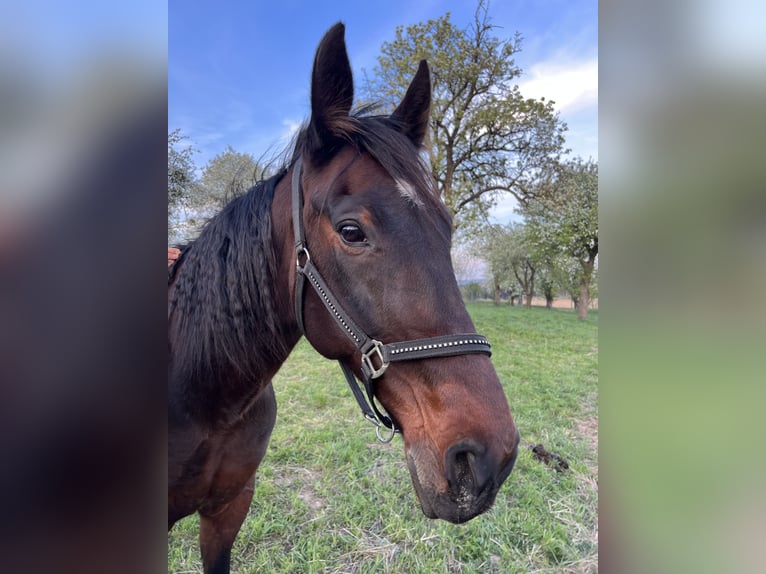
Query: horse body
[381, 237]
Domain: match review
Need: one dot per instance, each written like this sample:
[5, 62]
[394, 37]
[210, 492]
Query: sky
[239, 71]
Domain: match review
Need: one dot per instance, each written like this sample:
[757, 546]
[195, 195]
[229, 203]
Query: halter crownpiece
[375, 356]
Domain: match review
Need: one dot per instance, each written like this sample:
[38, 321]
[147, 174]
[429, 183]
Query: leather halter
[375, 356]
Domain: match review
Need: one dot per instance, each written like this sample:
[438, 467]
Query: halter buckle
[373, 348]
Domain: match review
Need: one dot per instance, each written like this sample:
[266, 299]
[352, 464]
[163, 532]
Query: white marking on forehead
[407, 191]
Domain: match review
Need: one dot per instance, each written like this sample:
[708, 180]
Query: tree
[547, 285]
[523, 264]
[486, 139]
[229, 173]
[183, 186]
[558, 274]
[473, 291]
[564, 220]
[511, 267]
[488, 246]
[180, 170]
[552, 267]
[192, 200]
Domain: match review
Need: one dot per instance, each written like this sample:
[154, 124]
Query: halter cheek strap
[375, 356]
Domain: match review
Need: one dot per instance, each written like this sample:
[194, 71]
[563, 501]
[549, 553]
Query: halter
[375, 356]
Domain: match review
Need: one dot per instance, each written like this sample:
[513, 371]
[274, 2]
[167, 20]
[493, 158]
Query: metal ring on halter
[379, 425]
[385, 439]
[301, 250]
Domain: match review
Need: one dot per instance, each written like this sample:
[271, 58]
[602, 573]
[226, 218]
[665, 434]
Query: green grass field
[330, 498]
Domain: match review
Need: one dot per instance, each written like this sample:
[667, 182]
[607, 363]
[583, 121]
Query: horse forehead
[351, 170]
[366, 174]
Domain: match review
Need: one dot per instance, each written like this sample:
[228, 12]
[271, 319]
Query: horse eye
[352, 234]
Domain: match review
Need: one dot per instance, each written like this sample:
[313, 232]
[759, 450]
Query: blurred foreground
[83, 118]
[683, 313]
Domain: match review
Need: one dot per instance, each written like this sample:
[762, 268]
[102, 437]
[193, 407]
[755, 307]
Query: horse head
[380, 235]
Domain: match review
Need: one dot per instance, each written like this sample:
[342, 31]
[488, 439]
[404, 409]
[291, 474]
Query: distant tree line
[555, 249]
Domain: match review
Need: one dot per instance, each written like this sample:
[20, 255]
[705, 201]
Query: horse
[349, 246]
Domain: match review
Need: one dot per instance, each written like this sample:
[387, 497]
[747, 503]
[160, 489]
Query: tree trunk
[497, 294]
[548, 301]
[531, 284]
[584, 301]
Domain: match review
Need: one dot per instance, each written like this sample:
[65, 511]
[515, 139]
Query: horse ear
[332, 87]
[412, 114]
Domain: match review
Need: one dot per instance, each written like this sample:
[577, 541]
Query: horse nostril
[461, 469]
[467, 467]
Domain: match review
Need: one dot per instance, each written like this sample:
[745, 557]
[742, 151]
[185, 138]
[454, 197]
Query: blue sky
[238, 72]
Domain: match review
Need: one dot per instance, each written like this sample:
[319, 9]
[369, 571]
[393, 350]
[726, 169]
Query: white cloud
[571, 85]
[291, 126]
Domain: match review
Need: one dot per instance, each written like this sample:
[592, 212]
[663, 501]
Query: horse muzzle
[472, 479]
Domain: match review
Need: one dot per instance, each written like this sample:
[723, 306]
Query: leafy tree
[183, 186]
[192, 200]
[511, 267]
[563, 221]
[473, 291]
[181, 176]
[547, 285]
[486, 139]
[521, 259]
[556, 275]
[229, 173]
[488, 246]
[552, 267]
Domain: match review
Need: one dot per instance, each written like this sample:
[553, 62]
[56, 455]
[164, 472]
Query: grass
[329, 498]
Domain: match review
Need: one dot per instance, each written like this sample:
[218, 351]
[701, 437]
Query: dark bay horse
[350, 245]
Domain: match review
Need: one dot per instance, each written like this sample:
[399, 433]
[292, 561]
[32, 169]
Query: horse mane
[223, 291]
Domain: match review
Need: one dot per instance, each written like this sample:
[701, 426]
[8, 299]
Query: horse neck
[225, 349]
